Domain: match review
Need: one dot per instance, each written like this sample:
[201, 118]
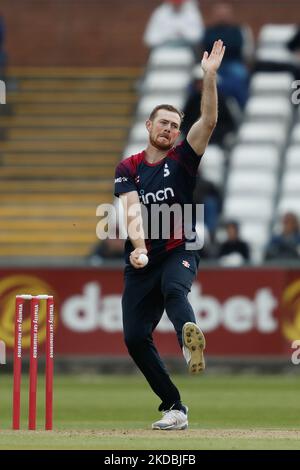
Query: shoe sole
[157, 428]
[194, 340]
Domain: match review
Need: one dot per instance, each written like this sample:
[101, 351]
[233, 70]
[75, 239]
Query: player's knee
[173, 290]
[135, 341]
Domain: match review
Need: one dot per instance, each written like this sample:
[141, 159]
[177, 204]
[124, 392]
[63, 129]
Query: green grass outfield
[116, 412]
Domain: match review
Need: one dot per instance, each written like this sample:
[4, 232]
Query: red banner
[243, 312]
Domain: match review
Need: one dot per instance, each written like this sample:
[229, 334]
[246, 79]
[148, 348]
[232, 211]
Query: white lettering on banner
[265, 304]
[88, 312]
[111, 313]
[296, 354]
[239, 314]
[207, 309]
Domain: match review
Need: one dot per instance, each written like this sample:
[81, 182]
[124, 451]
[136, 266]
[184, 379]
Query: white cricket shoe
[193, 346]
[172, 420]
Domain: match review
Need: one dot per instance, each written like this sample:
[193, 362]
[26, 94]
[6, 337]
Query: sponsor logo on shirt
[186, 263]
[121, 179]
[166, 170]
[159, 196]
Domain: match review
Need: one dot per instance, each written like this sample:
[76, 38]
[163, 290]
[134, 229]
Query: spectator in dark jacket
[233, 251]
[239, 49]
[294, 46]
[207, 193]
[110, 249]
[227, 115]
[286, 245]
[2, 49]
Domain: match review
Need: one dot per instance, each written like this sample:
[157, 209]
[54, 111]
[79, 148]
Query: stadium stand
[69, 127]
[263, 171]
[60, 144]
[272, 52]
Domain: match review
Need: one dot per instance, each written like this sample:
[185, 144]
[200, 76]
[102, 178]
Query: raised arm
[200, 133]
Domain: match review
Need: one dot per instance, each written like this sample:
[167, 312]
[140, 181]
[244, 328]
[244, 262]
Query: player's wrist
[139, 245]
[210, 73]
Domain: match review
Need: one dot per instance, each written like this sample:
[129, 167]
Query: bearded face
[164, 129]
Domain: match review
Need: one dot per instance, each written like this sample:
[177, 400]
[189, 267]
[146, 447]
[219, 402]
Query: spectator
[175, 22]
[208, 194]
[107, 250]
[294, 43]
[226, 115]
[294, 46]
[234, 251]
[207, 251]
[2, 50]
[234, 76]
[286, 245]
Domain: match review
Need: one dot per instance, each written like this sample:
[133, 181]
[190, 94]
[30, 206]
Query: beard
[160, 145]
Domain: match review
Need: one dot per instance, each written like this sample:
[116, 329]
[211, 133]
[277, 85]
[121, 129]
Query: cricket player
[165, 174]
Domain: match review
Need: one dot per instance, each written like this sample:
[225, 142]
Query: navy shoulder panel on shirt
[186, 156]
[126, 172]
[129, 165]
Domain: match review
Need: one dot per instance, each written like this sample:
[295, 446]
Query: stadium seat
[166, 81]
[291, 183]
[276, 34]
[213, 157]
[271, 83]
[138, 133]
[257, 236]
[279, 55]
[165, 57]
[73, 109]
[273, 107]
[269, 132]
[255, 156]
[292, 158]
[60, 146]
[289, 204]
[132, 150]
[296, 134]
[251, 182]
[67, 97]
[148, 102]
[213, 164]
[249, 208]
[255, 233]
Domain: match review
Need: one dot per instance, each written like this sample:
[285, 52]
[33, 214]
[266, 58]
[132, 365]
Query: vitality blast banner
[246, 312]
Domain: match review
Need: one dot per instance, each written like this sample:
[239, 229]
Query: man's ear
[148, 125]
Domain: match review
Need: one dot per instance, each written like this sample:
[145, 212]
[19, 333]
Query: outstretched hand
[211, 62]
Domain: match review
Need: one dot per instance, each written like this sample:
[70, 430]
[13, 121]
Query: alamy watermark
[296, 93]
[158, 221]
[2, 352]
[296, 354]
[2, 92]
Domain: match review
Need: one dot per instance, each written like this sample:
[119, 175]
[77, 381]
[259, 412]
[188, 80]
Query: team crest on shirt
[166, 170]
[186, 263]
